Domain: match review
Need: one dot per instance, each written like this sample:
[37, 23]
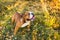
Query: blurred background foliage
[46, 25]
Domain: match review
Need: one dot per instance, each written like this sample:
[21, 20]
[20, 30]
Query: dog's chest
[21, 19]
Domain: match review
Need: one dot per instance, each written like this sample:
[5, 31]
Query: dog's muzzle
[31, 16]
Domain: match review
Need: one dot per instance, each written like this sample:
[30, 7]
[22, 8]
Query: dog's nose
[31, 13]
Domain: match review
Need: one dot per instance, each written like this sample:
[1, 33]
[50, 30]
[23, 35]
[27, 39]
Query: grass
[42, 28]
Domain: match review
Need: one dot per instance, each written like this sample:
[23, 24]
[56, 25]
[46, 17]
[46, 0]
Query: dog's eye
[28, 13]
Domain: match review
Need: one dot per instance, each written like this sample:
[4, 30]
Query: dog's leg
[26, 24]
[18, 25]
[16, 28]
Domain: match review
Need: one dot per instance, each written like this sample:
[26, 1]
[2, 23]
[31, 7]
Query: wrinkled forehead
[29, 13]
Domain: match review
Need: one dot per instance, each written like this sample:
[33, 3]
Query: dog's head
[29, 16]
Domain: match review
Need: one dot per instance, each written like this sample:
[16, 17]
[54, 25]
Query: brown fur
[19, 20]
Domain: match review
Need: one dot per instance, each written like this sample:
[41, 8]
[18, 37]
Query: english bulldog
[22, 20]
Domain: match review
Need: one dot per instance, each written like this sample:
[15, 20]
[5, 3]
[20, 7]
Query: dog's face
[29, 16]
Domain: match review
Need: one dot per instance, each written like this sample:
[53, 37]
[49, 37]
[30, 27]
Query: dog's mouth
[28, 19]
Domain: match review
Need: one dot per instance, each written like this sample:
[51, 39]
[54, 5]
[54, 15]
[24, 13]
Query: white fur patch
[25, 24]
[31, 15]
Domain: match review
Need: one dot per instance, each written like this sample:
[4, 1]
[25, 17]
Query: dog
[22, 20]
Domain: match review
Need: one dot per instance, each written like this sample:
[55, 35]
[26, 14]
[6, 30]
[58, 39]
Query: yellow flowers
[17, 3]
[55, 5]
[50, 21]
[56, 25]
[44, 8]
[42, 26]
[56, 35]
[22, 6]
[9, 7]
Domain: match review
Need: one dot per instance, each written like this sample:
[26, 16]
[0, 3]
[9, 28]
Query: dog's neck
[24, 18]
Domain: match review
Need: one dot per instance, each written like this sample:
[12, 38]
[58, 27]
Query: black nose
[32, 13]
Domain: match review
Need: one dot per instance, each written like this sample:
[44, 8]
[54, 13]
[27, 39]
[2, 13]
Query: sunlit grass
[42, 28]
